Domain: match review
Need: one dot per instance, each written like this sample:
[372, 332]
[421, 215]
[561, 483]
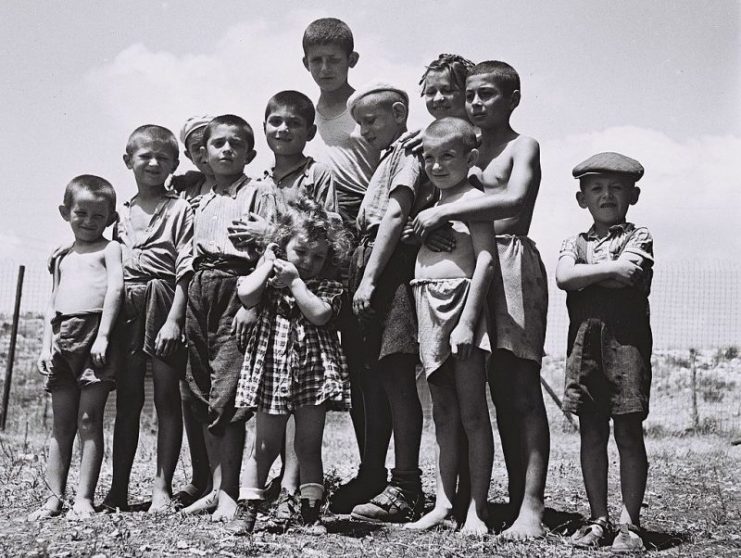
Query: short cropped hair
[504, 75]
[328, 31]
[154, 133]
[456, 66]
[92, 184]
[295, 101]
[230, 120]
[451, 127]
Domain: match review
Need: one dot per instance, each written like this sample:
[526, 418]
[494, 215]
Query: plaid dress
[290, 362]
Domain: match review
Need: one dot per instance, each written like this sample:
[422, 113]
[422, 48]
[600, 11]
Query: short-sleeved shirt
[307, 178]
[351, 159]
[165, 249]
[623, 238]
[217, 211]
[397, 169]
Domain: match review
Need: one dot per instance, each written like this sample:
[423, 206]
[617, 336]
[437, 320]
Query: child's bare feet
[81, 510]
[161, 502]
[475, 525]
[528, 525]
[226, 508]
[51, 508]
[432, 519]
[205, 504]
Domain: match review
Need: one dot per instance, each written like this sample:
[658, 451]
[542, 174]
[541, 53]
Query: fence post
[693, 383]
[11, 347]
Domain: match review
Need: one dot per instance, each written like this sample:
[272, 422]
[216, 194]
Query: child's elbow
[321, 318]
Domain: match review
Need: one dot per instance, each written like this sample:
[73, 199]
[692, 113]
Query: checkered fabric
[290, 362]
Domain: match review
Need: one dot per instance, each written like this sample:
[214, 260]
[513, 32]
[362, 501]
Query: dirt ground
[692, 506]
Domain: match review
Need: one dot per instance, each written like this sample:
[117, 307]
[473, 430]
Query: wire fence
[695, 317]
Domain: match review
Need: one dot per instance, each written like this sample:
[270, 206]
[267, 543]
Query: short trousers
[518, 298]
[604, 376]
[73, 338]
[439, 304]
[392, 329]
[146, 307]
[214, 358]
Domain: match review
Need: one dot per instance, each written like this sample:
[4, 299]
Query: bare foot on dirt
[81, 510]
[432, 519]
[161, 502]
[226, 509]
[206, 504]
[51, 508]
[114, 502]
[474, 527]
[527, 526]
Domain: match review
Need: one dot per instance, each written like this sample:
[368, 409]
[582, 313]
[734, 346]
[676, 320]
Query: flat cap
[192, 124]
[375, 87]
[609, 162]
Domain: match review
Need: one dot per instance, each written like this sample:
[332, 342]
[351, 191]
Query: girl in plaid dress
[293, 360]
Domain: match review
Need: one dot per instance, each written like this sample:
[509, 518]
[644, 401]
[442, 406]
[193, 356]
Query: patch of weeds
[677, 361]
[726, 353]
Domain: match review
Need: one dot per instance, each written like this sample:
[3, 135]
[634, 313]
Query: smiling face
[447, 161]
[287, 132]
[607, 197]
[88, 215]
[487, 107]
[442, 97]
[152, 162]
[309, 256]
[328, 65]
[228, 150]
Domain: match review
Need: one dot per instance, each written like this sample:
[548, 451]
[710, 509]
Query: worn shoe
[592, 535]
[288, 506]
[311, 517]
[357, 491]
[273, 489]
[628, 539]
[393, 505]
[244, 522]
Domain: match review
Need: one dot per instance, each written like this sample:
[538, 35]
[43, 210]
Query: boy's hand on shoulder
[242, 232]
[44, 362]
[412, 142]
[98, 351]
[361, 300]
[58, 252]
[407, 234]
[461, 341]
[168, 337]
[243, 320]
[441, 239]
[284, 273]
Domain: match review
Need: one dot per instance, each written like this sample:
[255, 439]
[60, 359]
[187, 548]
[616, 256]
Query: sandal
[592, 535]
[628, 539]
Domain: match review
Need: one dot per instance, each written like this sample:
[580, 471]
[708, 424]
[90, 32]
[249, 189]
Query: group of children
[326, 285]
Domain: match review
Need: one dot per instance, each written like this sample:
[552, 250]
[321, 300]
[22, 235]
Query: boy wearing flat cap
[607, 275]
[383, 302]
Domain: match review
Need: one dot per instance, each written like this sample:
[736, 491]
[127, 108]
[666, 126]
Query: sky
[659, 81]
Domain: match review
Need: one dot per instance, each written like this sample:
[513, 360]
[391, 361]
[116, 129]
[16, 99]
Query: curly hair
[308, 218]
[458, 67]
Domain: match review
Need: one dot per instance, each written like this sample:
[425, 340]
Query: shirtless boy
[508, 170]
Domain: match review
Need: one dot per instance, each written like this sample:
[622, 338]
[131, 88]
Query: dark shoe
[393, 505]
[357, 491]
[244, 522]
[311, 513]
[594, 534]
[628, 539]
[288, 506]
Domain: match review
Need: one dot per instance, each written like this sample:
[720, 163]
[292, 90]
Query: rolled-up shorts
[71, 365]
[604, 376]
[439, 304]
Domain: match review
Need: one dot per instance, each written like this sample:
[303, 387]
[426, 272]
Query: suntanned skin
[151, 163]
[508, 170]
[89, 278]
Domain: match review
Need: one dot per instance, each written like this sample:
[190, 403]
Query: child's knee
[629, 435]
[89, 422]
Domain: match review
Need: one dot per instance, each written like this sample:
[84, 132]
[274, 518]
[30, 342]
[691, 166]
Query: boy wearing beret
[607, 275]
